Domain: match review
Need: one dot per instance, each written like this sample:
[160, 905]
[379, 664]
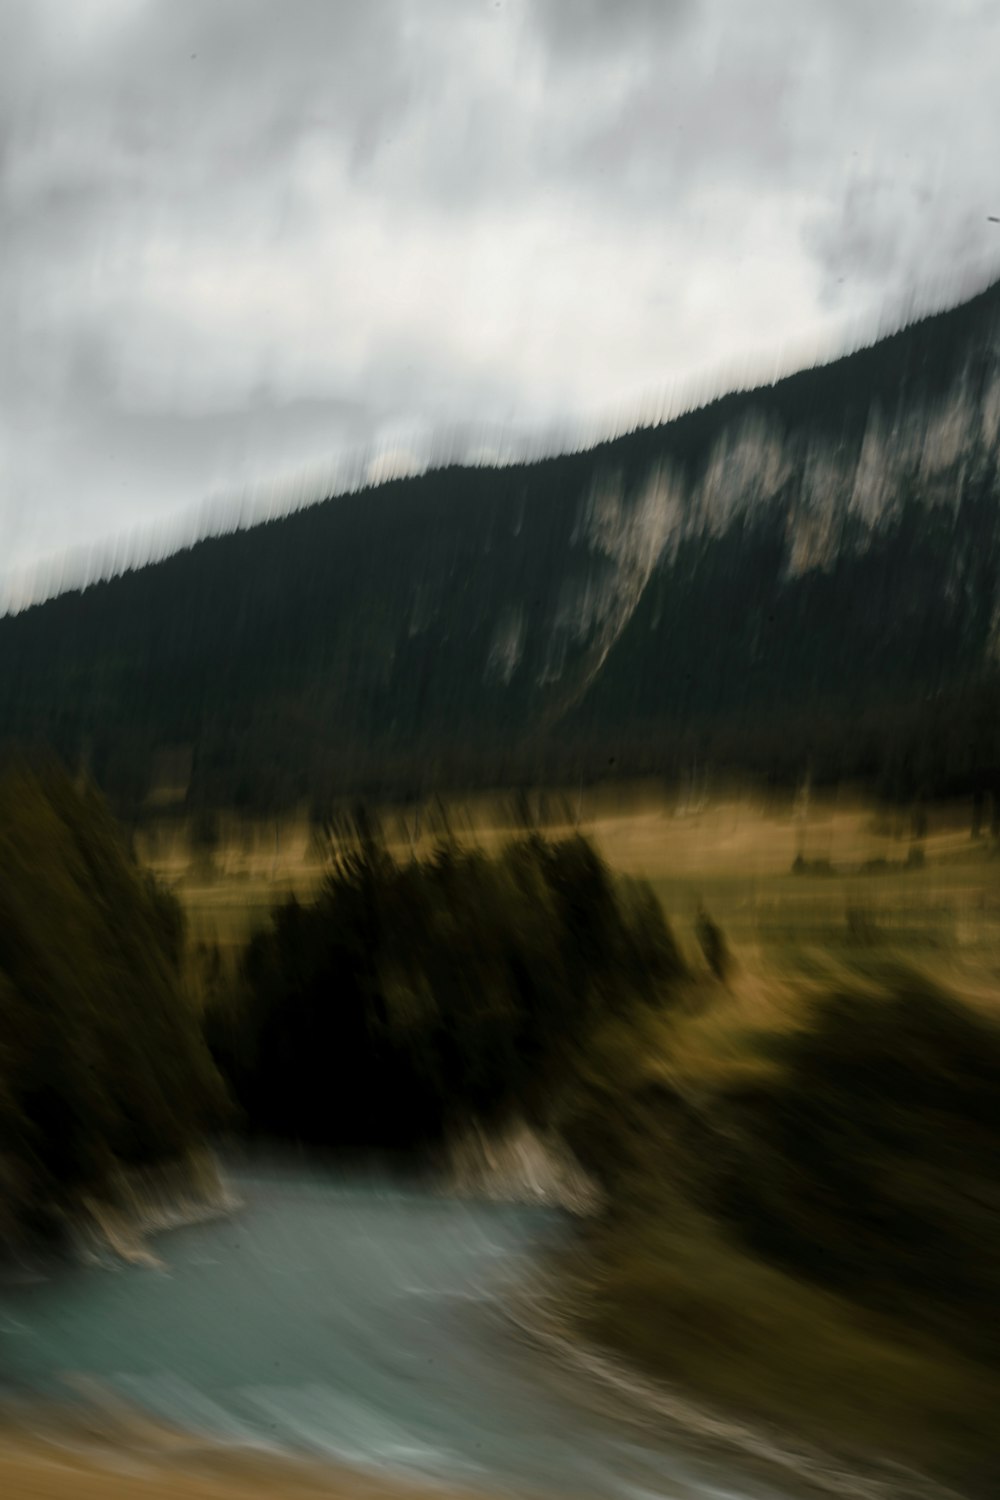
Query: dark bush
[102, 1061]
[410, 997]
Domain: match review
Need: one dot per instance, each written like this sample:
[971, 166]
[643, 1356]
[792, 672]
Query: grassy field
[666, 1281]
[736, 857]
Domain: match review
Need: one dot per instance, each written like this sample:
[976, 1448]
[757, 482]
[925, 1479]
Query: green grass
[671, 1293]
[803, 1184]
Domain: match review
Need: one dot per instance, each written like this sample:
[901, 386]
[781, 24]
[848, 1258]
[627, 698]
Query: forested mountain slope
[803, 573]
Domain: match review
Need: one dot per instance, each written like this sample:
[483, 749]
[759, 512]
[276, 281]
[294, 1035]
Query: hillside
[800, 574]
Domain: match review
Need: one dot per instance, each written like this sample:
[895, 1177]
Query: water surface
[357, 1321]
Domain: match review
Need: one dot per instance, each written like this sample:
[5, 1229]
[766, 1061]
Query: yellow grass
[735, 856]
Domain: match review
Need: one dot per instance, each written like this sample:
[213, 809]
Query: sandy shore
[56, 1455]
[34, 1470]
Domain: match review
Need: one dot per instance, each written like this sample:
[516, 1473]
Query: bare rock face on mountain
[802, 573]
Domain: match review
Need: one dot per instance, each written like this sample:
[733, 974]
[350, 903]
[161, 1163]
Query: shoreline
[535, 1313]
[96, 1443]
[60, 1453]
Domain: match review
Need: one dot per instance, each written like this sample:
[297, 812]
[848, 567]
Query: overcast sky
[242, 240]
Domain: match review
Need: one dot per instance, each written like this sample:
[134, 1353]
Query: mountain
[801, 575]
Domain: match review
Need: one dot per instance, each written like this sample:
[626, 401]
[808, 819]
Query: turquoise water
[355, 1321]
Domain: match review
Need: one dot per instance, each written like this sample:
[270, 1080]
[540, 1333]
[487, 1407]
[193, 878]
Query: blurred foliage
[713, 945]
[802, 1217]
[102, 1062]
[409, 998]
[871, 1164]
[801, 1181]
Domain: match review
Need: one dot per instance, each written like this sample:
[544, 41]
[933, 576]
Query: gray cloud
[242, 238]
[572, 29]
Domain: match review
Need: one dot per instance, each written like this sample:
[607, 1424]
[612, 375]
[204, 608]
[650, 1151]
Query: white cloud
[243, 238]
